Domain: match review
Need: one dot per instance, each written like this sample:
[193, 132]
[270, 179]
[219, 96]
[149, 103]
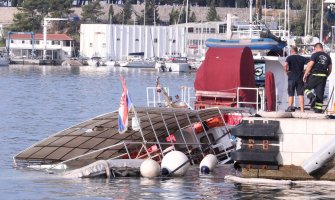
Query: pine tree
[151, 14]
[212, 14]
[91, 13]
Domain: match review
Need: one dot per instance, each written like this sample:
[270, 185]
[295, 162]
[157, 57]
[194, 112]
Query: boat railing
[254, 31]
[188, 96]
[259, 103]
[154, 98]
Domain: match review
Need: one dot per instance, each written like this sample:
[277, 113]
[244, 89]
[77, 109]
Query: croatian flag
[125, 106]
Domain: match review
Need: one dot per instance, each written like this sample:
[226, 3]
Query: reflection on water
[37, 101]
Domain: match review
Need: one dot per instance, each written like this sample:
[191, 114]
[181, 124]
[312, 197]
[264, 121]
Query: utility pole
[45, 27]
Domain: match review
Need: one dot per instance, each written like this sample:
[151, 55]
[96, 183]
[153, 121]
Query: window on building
[155, 40]
[22, 41]
[103, 45]
[222, 28]
[117, 39]
[67, 43]
[11, 41]
[173, 41]
[136, 40]
[212, 30]
[190, 29]
[91, 44]
[37, 42]
[55, 42]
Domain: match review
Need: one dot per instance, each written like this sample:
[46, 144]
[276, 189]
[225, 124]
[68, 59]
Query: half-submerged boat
[152, 134]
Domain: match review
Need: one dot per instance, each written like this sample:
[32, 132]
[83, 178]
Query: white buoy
[208, 163]
[150, 168]
[172, 161]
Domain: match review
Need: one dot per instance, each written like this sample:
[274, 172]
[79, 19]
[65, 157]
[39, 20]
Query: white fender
[172, 161]
[150, 168]
[319, 158]
[208, 163]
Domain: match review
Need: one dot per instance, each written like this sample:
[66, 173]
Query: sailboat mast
[321, 23]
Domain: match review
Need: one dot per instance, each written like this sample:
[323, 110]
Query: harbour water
[37, 101]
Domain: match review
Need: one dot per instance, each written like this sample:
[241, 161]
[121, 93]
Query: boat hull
[253, 44]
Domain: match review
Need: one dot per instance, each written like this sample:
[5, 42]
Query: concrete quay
[299, 138]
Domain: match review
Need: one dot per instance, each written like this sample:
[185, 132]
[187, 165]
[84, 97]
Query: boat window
[212, 30]
[190, 29]
[22, 41]
[37, 42]
[173, 41]
[155, 40]
[117, 39]
[11, 41]
[136, 40]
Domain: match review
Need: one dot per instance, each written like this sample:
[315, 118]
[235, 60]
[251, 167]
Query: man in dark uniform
[317, 71]
[294, 68]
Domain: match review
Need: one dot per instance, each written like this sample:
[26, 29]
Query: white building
[117, 41]
[58, 46]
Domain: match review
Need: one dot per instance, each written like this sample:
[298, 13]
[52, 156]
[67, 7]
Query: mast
[321, 23]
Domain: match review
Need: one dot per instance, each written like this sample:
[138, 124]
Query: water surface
[37, 101]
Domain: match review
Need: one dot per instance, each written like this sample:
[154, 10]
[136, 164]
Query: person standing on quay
[317, 71]
[294, 68]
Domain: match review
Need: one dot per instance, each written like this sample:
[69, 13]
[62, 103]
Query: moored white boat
[138, 64]
[95, 61]
[4, 60]
[177, 64]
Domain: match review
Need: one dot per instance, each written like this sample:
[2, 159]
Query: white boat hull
[138, 64]
[4, 62]
[177, 67]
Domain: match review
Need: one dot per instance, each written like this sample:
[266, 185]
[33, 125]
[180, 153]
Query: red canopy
[225, 69]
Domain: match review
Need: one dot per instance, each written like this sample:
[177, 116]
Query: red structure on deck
[221, 73]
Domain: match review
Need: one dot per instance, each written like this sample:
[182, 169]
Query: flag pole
[142, 135]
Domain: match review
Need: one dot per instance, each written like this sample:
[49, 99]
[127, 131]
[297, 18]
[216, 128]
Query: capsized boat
[153, 132]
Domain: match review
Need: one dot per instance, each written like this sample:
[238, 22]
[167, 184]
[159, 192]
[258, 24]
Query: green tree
[91, 13]
[212, 14]
[174, 16]
[151, 14]
[192, 18]
[111, 17]
[32, 12]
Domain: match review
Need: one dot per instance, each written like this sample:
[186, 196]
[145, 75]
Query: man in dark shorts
[294, 68]
[317, 71]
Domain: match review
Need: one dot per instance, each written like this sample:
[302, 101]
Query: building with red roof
[25, 45]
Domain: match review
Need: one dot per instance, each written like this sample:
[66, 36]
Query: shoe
[290, 109]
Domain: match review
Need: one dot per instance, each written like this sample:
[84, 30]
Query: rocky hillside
[6, 13]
